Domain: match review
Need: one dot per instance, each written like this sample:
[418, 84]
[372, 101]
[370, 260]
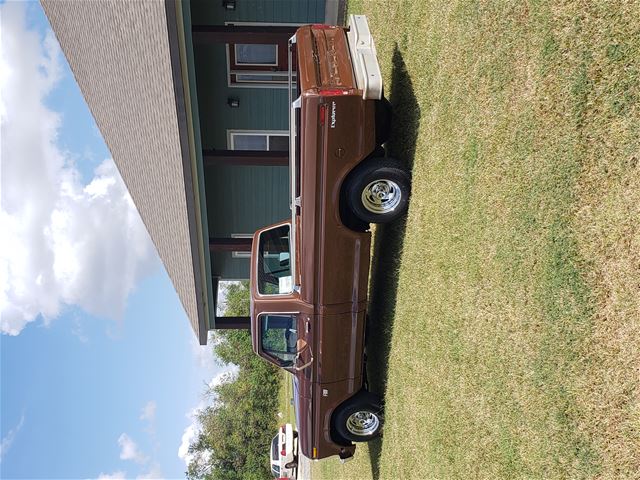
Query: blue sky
[101, 370]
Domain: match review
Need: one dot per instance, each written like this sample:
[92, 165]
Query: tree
[238, 427]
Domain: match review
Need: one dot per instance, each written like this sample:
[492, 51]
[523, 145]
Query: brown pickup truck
[310, 273]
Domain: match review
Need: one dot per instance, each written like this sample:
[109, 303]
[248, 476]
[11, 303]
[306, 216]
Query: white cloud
[154, 474]
[62, 242]
[149, 411]
[188, 436]
[192, 431]
[8, 440]
[119, 475]
[129, 450]
[203, 354]
[77, 330]
[223, 377]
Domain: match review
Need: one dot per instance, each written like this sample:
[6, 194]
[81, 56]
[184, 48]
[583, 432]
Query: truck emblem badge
[333, 114]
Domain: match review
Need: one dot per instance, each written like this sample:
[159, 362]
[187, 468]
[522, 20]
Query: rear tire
[378, 190]
[360, 418]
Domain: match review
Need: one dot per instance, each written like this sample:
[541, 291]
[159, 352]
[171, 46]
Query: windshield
[274, 262]
[274, 450]
[279, 336]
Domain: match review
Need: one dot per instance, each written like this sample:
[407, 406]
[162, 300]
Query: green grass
[505, 311]
[285, 397]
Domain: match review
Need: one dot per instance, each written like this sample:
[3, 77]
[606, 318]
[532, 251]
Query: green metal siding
[260, 108]
[285, 11]
[242, 199]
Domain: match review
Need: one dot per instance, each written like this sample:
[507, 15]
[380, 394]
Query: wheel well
[348, 218]
[358, 396]
[335, 436]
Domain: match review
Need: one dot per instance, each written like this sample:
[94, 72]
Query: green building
[191, 98]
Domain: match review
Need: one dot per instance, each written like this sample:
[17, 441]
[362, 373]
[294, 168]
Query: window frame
[237, 253]
[259, 259]
[257, 84]
[235, 53]
[275, 360]
[275, 133]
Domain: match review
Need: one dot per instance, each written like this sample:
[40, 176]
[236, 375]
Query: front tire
[378, 190]
[360, 419]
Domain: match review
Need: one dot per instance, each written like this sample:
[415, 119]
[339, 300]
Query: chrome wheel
[381, 196]
[363, 423]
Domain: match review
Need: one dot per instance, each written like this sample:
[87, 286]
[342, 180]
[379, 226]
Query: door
[259, 64]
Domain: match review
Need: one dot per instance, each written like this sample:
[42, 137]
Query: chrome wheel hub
[363, 423]
[381, 196]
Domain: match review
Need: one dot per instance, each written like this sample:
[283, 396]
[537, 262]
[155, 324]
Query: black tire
[374, 177]
[383, 118]
[291, 465]
[360, 418]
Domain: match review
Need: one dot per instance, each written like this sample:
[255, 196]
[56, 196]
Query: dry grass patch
[506, 312]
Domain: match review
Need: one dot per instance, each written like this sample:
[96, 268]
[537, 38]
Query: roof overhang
[131, 62]
[182, 67]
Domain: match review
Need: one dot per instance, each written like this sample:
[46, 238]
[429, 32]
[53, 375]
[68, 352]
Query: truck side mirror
[301, 367]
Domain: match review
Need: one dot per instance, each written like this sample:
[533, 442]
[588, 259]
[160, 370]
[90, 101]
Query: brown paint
[333, 261]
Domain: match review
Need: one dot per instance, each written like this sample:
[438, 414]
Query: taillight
[332, 92]
[283, 452]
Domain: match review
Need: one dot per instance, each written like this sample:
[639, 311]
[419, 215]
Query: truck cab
[309, 273]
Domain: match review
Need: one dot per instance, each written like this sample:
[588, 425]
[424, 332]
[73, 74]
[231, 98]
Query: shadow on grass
[388, 241]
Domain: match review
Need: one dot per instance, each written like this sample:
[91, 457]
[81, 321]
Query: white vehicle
[284, 458]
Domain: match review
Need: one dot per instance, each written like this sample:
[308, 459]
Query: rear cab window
[274, 262]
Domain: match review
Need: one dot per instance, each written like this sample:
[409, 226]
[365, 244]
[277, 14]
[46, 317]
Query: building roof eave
[121, 55]
[186, 108]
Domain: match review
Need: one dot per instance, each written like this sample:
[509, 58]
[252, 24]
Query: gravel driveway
[304, 468]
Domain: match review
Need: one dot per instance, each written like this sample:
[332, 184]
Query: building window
[255, 54]
[258, 65]
[241, 254]
[265, 140]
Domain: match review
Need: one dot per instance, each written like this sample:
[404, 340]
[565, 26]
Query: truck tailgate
[330, 64]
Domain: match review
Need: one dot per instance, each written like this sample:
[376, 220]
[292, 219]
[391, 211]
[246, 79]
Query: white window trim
[284, 75]
[275, 64]
[236, 254]
[230, 84]
[275, 133]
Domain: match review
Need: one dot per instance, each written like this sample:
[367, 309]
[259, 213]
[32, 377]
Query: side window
[274, 266]
[271, 140]
[255, 54]
[278, 338]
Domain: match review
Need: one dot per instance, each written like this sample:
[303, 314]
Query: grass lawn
[285, 399]
[505, 311]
